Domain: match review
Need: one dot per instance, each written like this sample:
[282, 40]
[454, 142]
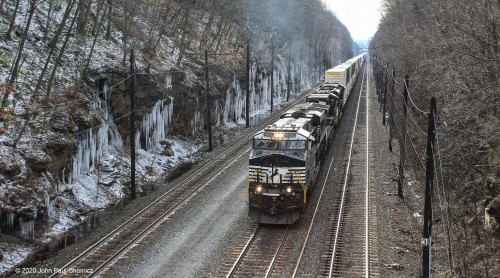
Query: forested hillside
[66, 81]
[451, 50]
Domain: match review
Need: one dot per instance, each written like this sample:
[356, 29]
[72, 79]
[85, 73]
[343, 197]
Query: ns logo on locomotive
[286, 156]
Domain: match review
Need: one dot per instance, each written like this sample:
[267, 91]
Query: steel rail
[344, 187]
[278, 251]
[110, 235]
[162, 217]
[247, 247]
[242, 254]
[367, 185]
[145, 230]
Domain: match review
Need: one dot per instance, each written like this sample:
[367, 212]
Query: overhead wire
[411, 149]
[411, 100]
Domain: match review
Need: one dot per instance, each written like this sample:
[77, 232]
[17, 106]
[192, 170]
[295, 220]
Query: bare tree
[52, 47]
[110, 17]
[8, 34]
[185, 32]
[20, 48]
[61, 52]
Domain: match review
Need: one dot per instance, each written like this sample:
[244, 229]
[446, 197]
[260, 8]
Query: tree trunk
[49, 19]
[185, 32]
[52, 46]
[203, 41]
[101, 22]
[61, 52]
[128, 25]
[8, 34]
[1, 6]
[85, 9]
[15, 69]
[227, 28]
[110, 16]
[100, 6]
[220, 26]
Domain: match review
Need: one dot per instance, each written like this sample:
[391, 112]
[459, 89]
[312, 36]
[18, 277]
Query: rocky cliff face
[81, 142]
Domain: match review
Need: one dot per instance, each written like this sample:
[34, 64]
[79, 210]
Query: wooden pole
[272, 75]
[247, 99]
[429, 183]
[132, 125]
[289, 79]
[402, 148]
[209, 113]
[391, 113]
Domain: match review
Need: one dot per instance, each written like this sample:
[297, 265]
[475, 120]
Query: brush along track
[107, 250]
[261, 254]
[349, 253]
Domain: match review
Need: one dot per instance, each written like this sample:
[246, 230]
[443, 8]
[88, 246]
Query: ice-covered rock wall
[155, 125]
[95, 142]
[260, 91]
[234, 104]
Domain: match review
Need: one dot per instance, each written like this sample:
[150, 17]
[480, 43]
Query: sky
[361, 17]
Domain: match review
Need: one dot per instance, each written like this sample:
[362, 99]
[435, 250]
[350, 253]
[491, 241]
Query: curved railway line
[112, 246]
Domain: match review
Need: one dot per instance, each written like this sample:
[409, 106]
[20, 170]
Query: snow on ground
[12, 255]
[92, 196]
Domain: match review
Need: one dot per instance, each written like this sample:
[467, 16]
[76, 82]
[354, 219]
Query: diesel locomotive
[286, 156]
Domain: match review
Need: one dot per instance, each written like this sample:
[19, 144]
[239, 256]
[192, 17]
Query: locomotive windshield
[279, 144]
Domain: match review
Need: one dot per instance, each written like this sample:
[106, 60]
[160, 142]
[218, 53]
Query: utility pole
[272, 75]
[300, 68]
[402, 149]
[391, 113]
[247, 99]
[429, 183]
[384, 99]
[132, 125]
[289, 79]
[209, 114]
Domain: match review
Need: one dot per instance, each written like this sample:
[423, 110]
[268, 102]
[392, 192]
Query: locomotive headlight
[258, 189]
[289, 189]
[279, 135]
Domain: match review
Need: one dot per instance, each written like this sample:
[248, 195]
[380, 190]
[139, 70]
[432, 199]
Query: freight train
[286, 156]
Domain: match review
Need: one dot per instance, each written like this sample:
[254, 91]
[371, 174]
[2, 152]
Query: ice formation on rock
[155, 126]
[27, 228]
[92, 145]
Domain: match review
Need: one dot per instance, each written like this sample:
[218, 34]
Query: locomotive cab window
[293, 145]
[265, 144]
[282, 145]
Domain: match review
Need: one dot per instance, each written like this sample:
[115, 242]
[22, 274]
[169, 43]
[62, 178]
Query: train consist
[286, 156]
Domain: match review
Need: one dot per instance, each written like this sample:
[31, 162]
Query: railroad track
[349, 252]
[112, 246]
[260, 254]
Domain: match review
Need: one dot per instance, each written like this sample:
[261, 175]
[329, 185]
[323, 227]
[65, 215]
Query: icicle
[154, 126]
[227, 106]
[51, 207]
[168, 81]
[27, 228]
[94, 145]
[10, 219]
